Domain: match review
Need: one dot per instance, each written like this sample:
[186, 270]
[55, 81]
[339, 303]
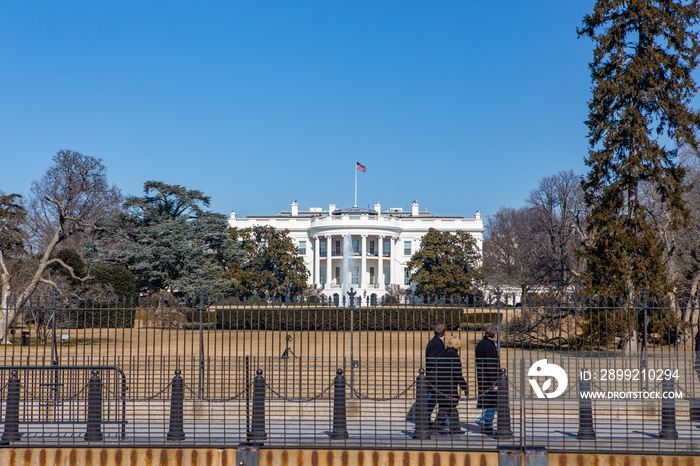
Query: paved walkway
[370, 424]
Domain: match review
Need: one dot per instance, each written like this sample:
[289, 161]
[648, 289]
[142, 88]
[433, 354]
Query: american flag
[360, 167]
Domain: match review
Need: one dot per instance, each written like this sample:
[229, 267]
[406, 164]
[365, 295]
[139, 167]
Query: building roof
[396, 212]
[354, 211]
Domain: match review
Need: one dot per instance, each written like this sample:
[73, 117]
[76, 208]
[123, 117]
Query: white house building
[360, 248]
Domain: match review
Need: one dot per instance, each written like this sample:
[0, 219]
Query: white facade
[378, 244]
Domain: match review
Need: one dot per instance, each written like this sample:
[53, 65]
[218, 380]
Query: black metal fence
[580, 374]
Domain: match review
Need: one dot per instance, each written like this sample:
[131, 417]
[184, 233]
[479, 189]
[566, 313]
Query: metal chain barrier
[512, 385]
[367, 397]
[304, 400]
[147, 398]
[446, 396]
[684, 387]
[597, 386]
[214, 400]
[51, 400]
[72, 397]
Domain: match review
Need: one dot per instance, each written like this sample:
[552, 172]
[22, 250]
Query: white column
[329, 263]
[392, 255]
[380, 263]
[344, 247]
[317, 261]
[363, 269]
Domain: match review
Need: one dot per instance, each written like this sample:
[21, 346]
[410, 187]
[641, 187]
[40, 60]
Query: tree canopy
[639, 114]
[272, 265]
[73, 197]
[510, 249]
[170, 242]
[446, 264]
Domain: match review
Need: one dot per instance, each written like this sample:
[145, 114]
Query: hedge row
[83, 318]
[339, 319]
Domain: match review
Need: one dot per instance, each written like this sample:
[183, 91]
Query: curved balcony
[354, 224]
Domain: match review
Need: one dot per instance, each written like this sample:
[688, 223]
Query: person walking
[488, 369]
[435, 346]
[450, 381]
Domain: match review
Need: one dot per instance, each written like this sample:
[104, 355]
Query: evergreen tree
[172, 243]
[446, 265]
[273, 265]
[639, 114]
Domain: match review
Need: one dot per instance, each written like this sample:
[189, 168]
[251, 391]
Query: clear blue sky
[461, 105]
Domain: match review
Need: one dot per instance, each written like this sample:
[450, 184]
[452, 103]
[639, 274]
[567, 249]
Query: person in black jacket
[450, 381]
[432, 351]
[488, 369]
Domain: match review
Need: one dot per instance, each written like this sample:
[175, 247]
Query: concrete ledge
[275, 457]
[292, 457]
[227, 457]
[600, 459]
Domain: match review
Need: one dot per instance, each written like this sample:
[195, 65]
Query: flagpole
[355, 205]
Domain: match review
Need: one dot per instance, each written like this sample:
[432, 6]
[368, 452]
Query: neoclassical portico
[375, 245]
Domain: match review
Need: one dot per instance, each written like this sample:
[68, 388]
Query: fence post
[257, 432]
[177, 397]
[668, 412]
[94, 408]
[503, 428]
[422, 431]
[200, 382]
[11, 432]
[340, 423]
[585, 411]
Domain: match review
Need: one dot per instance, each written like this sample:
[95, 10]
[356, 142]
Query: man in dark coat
[488, 369]
[432, 351]
[450, 381]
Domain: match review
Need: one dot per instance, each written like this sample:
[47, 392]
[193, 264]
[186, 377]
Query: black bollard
[176, 431]
[94, 409]
[422, 430]
[11, 432]
[585, 412]
[340, 422]
[503, 429]
[257, 429]
[668, 412]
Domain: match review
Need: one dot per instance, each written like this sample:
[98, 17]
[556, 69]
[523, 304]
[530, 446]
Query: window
[322, 248]
[387, 248]
[302, 247]
[371, 275]
[337, 248]
[371, 247]
[322, 275]
[406, 276]
[406, 248]
[356, 246]
[337, 274]
[386, 276]
[355, 275]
